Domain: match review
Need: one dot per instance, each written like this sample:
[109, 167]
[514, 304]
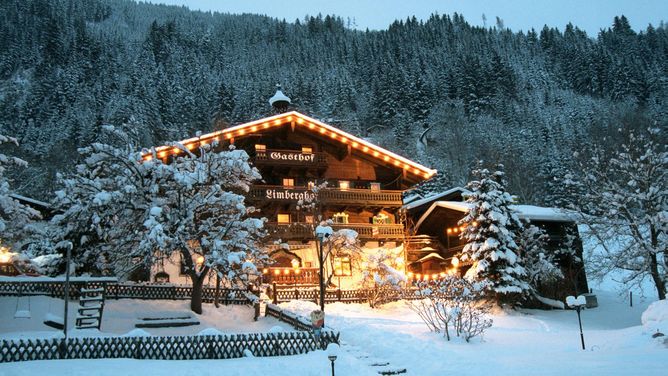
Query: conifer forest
[440, 91]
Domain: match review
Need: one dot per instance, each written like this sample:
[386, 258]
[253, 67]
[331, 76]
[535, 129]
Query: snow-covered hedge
[655, 317]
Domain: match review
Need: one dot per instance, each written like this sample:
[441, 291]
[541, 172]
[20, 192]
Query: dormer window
[381, 219]
[283, 218]
[374, 186]
[261, 148]
[344, 184]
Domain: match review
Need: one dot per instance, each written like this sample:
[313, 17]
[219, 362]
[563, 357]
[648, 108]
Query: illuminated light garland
[388, 156]
[148, 157]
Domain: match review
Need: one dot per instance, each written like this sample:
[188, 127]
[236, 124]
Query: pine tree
[490, 235]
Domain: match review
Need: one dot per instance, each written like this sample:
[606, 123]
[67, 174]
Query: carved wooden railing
[290, 158]
[365, 231]
[290, 276]
[326, 196]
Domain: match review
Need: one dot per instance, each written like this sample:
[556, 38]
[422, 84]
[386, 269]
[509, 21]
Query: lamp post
[321, 233]
[578, 304]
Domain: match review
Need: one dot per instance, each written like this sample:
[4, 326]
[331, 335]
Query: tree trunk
[658, 281]
[216, 297]
[196, 298]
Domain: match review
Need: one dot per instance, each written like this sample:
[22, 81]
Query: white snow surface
[655, 318]
[525, 342]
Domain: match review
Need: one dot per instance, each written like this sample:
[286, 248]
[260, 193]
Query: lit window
[283, 218]
[310, 185]
[381, 218]
[344, 184]
[307, 150]
[288, 182]
[308, 218]
[260, 147]
[340, 218]
[375, 186]
[342, 267]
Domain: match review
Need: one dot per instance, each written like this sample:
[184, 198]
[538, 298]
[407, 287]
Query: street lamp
[322, 233]
[332, 354]
[578, 303]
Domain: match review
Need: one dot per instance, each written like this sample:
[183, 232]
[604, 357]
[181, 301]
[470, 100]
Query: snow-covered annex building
[435, 239]
[294, 152]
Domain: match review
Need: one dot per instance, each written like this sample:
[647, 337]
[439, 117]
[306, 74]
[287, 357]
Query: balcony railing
[301, 231]
[366, 197]
[284, 276]
[290, 158]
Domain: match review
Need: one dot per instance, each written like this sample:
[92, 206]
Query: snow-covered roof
[415, 203]
[527, 212]
[305, 123]
[432, 255]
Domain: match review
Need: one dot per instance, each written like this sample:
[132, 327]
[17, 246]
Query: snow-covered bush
[655, 317]
[381, 278]
[452, 303]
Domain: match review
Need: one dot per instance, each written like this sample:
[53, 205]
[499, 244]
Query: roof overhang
[300, 121]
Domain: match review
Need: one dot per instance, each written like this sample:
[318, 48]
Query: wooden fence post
[275, 297]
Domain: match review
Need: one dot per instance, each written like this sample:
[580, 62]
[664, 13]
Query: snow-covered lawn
[528, 342]
[120, 316]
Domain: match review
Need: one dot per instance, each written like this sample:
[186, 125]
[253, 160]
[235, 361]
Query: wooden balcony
[279, 157]
[327, 196]
[301, 231]
[291, 276]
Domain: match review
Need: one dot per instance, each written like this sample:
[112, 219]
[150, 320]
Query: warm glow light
[386, 158]
[295, 263]
[311, 126]
[297, 271]
[375, 153]
[396, 163]
[228, 136]
[290, 118]
[266, 125]
[277, 121]
[148, 157]
[355, 144]
[162, 154]
[322, 130]
[242, 131]
[434, 276]
[254, 128]
[455, 262]
[191, 146]
[449, 231]
[200, 260]
[442, 274]
[333, 135]
[344, 140]
[365, 148]
[410, 274]
[300, 120]
[474, 223]
[265, 271]
[277, 272]
[416, 171]
[5, 255]
[286, 271]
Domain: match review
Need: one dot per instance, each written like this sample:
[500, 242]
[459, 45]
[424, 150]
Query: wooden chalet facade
[294, 153]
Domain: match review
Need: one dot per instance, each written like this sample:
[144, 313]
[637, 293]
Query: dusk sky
[590, 15]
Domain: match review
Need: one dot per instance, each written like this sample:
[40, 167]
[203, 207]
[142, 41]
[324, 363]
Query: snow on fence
[286, 294]
[166, 348]
[115, 290]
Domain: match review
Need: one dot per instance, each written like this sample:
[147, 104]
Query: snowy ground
[529, 342]
[119, 318]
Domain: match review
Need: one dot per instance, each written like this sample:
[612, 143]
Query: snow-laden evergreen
[14, 216]
[491, 233]
[122, 212]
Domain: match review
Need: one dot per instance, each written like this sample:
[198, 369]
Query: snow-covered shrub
[452, 303]
[381, 279]
[655, 317]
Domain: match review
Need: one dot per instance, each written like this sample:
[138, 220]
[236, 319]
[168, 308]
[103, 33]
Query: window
[310, 185]
[375, 186]
[308, 218]
[381, 218]
[260, 147]
[342, 267]
[307, 150]
[344, 184]
[288, 182]
[340, 218]
[283, 218]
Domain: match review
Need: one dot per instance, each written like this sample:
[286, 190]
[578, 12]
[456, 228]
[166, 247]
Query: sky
[589, 15]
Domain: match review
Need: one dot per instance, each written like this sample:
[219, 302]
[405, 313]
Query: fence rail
[280, 294]
[165, 348]
[115, 290]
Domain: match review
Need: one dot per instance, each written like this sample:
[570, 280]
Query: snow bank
[655, 317]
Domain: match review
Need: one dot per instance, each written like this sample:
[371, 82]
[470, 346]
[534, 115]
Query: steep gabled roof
[307, 124]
